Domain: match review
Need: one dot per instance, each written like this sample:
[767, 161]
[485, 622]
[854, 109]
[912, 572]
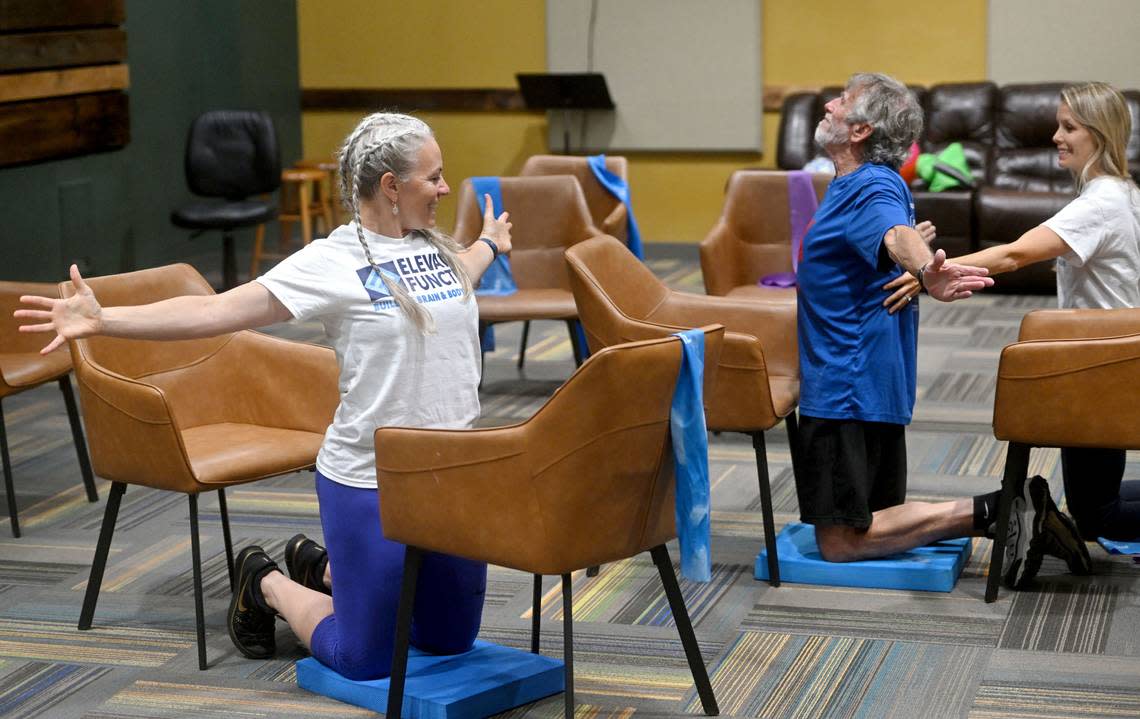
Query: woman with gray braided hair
[395, 298]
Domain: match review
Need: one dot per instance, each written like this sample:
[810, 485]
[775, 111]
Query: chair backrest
[755, 222]
[232, 154]
[613, 291]
[141, 358]
[20, 361]
[548, 214]
[1072, 385]
[588, 479]
[599, 202]
[11, 339]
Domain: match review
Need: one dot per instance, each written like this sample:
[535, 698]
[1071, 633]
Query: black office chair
[233, 155]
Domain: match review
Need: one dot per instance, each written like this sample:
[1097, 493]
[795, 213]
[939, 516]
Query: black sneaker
[1023, 544]
[1062, 539]
[250, 621]
[306, 561]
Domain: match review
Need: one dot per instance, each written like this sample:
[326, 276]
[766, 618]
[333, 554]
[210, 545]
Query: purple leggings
[358, 638]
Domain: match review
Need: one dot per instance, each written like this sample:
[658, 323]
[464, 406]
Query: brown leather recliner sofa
[1006, 133]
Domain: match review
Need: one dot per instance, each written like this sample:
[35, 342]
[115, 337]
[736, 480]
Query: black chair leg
[568, 642]
[766, 508]
[196, 556]
[102, 549]
[9, 487]
[77, 437]
[522, 345]
[685, 628]
[225, 517]
[536, 614]
[412, 558]
[1016, 468]
[579, 353]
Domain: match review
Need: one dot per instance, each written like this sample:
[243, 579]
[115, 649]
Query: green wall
[111, 211]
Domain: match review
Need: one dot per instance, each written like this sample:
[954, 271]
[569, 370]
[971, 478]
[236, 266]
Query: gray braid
[389, 142]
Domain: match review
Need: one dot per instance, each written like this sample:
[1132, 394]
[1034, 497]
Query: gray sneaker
[1024, 545]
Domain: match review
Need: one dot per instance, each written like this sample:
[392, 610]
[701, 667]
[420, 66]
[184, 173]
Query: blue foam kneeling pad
[486, 680]
[1113, 546]
[933, 568]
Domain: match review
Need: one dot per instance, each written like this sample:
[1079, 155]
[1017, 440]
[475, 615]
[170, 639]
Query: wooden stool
[326, 195]
[297, 192]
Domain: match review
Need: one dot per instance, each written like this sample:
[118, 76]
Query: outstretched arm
[943, 280]
[250, 305]
[1037, 245]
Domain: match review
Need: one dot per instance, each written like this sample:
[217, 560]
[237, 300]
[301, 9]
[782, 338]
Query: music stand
[566, 92]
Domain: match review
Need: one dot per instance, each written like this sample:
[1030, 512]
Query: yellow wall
[677, 196]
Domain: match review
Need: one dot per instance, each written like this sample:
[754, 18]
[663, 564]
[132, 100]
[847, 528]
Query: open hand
[903, 289]
[78, 316]
[947, 281]
[498, 230]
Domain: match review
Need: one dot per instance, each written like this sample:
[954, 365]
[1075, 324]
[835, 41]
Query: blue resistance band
[618, 187]
[691, 459]
[497, 280]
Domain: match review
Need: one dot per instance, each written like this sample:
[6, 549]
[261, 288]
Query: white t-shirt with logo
[390, 373]
[1102, 229]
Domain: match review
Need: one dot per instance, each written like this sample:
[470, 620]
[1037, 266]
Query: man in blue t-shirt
[858, 360]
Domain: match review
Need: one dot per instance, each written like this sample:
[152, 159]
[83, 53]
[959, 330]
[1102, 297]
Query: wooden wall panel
[41, 50]
[43, 14]
[62, 72]
[59, 127]
[57, 83]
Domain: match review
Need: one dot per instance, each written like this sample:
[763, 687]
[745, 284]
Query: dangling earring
[395, 209]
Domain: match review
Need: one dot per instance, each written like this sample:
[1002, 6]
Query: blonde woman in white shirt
[1095, 240]
[394, 296]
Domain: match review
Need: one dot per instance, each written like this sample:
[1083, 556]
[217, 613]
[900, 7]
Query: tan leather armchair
[757, 379]
[752, 238]
[22, 367]
[607, 212]
[588, 479]
[548, 215]
[194, 416]
[1069, 381]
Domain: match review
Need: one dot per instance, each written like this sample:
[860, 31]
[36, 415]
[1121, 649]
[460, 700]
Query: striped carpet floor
[1067, 647]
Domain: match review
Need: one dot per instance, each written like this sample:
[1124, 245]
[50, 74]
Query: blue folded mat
[1112, 546]
[486, 680]
[933, 568]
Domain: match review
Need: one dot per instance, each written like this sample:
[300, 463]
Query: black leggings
[1100, 501]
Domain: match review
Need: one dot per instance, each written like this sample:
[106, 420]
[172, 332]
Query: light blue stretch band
[691, 459]
[497, 280]
[618, 187]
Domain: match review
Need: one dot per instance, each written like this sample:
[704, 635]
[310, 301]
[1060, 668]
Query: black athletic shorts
[849, 469]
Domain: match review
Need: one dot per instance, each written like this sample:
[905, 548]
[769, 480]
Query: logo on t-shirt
[425, 276]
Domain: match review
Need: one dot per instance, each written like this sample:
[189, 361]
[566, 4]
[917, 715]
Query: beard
[831, 135]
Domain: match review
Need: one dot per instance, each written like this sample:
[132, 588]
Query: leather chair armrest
[718, 260]
[773, 323]
[477, 482]
[616, 223]
[1069, 393]
[1079, 324]
[131, 432]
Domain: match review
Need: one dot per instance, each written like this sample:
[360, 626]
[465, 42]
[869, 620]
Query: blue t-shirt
[856, 360]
